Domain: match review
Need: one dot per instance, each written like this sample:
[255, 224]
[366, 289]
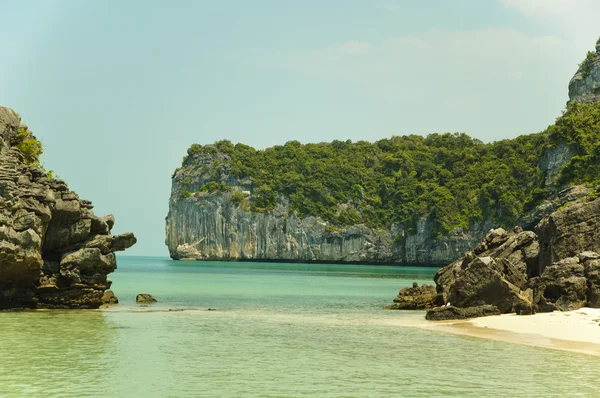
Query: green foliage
[592, 195]
[580, 127]
[240, 200]
[452, 178]
[237, 197]
[30, 147]
[184, 194]
[265, 199]
[586, 64]
[213, 186]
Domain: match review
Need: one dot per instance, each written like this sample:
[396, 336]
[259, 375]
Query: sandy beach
[577, 331]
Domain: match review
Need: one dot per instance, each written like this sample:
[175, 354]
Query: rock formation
[585, 85]
[521, 271]
[54, 252]
[145, 298]
[215, 226]
[416, 298]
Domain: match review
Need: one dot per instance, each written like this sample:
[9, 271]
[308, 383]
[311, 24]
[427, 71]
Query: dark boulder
[450, 312]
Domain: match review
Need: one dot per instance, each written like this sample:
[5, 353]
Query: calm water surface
[279, 330]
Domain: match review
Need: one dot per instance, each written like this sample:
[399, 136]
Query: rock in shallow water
[109, 298]
[145, 298]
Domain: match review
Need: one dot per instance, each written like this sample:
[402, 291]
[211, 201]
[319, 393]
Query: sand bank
[577, 331]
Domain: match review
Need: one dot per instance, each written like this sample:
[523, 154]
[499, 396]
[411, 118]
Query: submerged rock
[145, 298]
[49, 251]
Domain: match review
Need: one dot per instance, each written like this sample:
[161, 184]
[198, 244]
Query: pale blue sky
[118, 90]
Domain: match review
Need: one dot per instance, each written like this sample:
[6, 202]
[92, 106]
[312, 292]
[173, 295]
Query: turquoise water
[278, 330]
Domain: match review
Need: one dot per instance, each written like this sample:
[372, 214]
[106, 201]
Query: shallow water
[279, 330]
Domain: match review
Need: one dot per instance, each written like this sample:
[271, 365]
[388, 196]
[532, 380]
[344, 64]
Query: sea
[233, 329]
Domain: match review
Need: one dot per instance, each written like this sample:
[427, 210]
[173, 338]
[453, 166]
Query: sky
[118, 90]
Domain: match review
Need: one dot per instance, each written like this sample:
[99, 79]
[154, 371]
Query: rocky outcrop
[522, 272]
[585, 85]
[568, 284]
[569, 231]
[494, 273]
[54, 252]
[416, 298]
[450, 312]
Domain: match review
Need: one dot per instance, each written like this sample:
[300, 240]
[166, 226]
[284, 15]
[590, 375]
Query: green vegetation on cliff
[453, 178]
[30, 147]
[580, 127]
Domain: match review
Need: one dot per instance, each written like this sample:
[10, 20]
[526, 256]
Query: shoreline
[574, 331]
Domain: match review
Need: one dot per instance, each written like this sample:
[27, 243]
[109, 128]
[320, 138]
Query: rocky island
[407, 200]
[54, 252]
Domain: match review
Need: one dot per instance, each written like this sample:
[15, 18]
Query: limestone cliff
[54, 252]
[584, 87]
[219, 225]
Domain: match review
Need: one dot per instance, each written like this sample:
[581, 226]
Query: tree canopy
[453, 178]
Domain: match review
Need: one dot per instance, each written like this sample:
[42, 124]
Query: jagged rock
[145, 298]
[569, 231]
[485, 281]
[585, 85]
[47, 259]
[416, 298]
[561, 286]
[491, 278]
[450, 312]
[109, 298]
[494, 272]
[592, 272]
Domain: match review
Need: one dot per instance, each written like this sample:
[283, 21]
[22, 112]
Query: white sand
[577, 331]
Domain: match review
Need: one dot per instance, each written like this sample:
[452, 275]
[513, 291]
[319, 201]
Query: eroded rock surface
[450, 312]
[416, 298]
[523, 273]
[54, 252]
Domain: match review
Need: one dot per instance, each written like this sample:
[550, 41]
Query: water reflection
[43, 352]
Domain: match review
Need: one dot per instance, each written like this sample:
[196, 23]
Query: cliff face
[54, 252]
[219, 225]
[584, 87]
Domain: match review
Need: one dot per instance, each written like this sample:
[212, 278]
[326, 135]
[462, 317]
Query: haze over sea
[278, 330]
